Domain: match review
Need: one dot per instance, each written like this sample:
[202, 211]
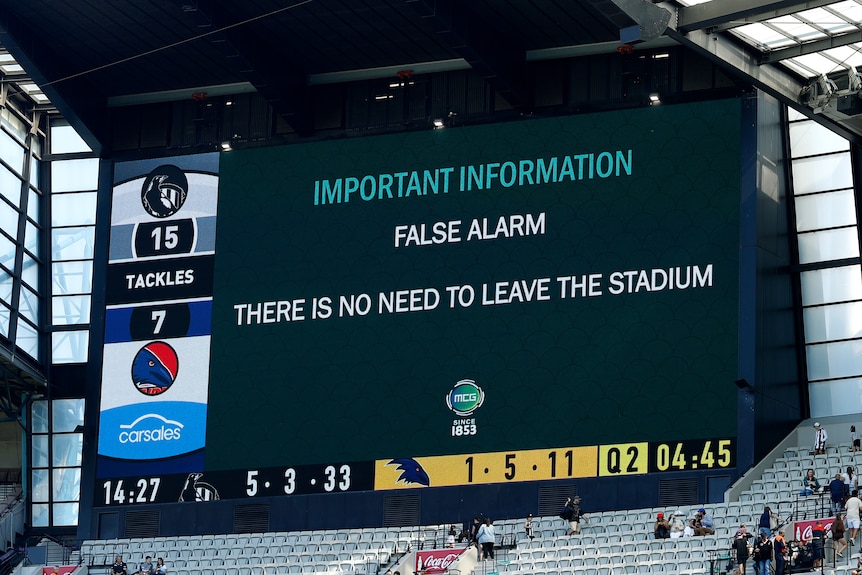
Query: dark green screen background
[585, 371]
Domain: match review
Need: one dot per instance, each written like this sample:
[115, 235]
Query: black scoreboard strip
[162, 280]
[613, 460]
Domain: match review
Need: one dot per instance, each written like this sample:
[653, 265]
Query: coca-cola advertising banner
[802, 529]
[436, 560]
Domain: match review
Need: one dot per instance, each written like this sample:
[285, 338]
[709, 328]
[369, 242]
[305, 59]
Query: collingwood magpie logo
[164, 191]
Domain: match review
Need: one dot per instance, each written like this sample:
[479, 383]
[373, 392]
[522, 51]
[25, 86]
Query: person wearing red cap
[662, 528]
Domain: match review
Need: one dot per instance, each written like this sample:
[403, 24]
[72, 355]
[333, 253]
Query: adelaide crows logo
[411, 472]
[164, 191]
[154, 368]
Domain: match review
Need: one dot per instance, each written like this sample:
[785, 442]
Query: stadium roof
[89, 55]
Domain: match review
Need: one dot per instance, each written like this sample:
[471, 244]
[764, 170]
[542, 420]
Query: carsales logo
[150, 428]
[436, 561]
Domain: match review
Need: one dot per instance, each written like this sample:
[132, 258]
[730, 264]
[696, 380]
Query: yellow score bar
[498, 467]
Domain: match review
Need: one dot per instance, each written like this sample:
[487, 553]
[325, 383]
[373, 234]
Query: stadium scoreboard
[524, 301]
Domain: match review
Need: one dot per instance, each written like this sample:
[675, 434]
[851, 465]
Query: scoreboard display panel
[534, 300]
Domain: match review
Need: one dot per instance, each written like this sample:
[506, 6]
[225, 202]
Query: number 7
[158, 317]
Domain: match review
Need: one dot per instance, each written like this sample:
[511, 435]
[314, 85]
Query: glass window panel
[29, 305]
[73, 209]
[40, 485]
[74, 175]
[829, 210]
[70, 310]
[40, 515]
[801, 70]
[35, 164]
[10, 186]
[30, 270]
[762, 36]
[72, 243]
[39, 414]
[810, 138]
[8, 219]
[826, 20]
[15, 125]
[40, 451]
[817, 62]
[828, 245]
[7, 252]
[794, 115]
[31, 238]
[68, 415]
[797, 29]
[6, 283]
[847, 55]
[822, 173]
[33, 202]
[67, 450]
[841, 397]
[72, 277]
[65, 514]
[67, 484]
[69, 346]
[11, 152]
[835, 359]
[831, 285]
[28, 340]
[837, 321]
[65, 140]
[5, 318]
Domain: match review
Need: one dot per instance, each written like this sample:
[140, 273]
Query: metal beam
[774, 80]
[728, 14]
[811, 47]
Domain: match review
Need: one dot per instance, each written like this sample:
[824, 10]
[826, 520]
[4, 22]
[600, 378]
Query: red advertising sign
[436, 560]
[802, 529]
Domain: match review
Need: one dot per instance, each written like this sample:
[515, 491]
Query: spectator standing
[854, 440]
[763, 554]
[820, 437]
[779, 550]
[528, 527]
[577, 515]
[740, 546]
[818, 535]
[837, 493]
[851, 482]
[486, 539]
[851, 522]
[764, 526]
[838, 530]
[661, 530]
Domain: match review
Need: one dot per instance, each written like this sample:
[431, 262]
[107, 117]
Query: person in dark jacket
[763, 554]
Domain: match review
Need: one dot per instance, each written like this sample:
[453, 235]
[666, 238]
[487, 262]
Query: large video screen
[533, 300]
